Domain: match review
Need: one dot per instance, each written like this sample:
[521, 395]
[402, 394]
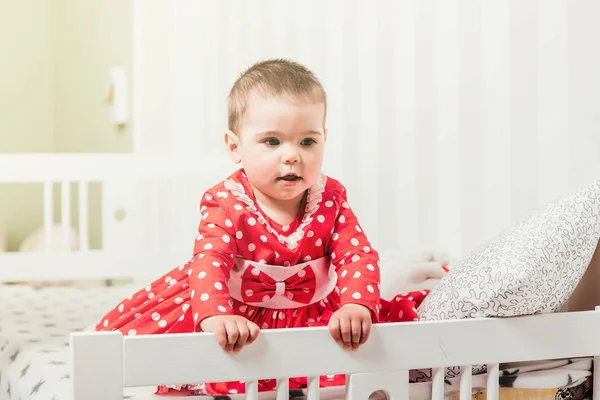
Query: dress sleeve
[357, 264]
[214, 250]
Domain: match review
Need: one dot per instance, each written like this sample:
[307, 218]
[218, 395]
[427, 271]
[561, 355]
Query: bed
[48, 349]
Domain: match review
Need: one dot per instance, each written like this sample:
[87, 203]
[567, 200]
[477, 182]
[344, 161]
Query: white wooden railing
[104, 363]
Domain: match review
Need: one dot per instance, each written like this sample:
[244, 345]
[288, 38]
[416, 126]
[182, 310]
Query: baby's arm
[356, 262]
[357, 266]
[214, 250]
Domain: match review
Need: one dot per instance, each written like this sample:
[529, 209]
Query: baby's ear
[232, 144]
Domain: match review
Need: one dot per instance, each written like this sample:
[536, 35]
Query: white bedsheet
[34, 336]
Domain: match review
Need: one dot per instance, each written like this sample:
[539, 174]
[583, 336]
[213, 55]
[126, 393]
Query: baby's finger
[232, 335]
[356, 329]
[244, 333]
[254, 331]
[221, 334]
[366, 330]
[334, 329]
[345, 329]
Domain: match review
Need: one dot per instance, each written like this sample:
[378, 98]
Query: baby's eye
[308, 142]
[271, 141]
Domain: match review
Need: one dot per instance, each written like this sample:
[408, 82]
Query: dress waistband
[272, 286]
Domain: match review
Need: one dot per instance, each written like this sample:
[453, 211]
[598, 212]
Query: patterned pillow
[530, 268]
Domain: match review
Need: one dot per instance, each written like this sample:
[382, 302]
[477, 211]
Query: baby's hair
[274, 77]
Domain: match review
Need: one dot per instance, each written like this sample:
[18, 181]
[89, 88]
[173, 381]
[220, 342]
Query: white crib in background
[158, 195]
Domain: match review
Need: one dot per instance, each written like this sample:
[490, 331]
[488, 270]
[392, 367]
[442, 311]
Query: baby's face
[281, 145]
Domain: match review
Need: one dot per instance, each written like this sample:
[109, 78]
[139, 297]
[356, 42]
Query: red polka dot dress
[277, 276]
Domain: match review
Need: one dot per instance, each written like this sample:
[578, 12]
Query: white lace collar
[313, 200]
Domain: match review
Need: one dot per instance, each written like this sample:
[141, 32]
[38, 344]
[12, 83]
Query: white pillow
[530, 268]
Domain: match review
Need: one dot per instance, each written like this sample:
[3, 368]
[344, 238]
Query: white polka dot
[105, 323]
[243, 308]
[221, 308]
[137, 315]
[251, 247]
[196, 317]
[208, 246]
[321, 218]
[356, 295]
[255, 271]
[216, 264]
[261, 261]
[132, 332]
[211, 226]
[121, 307]
[148, 288]
[274, 315]
[266, 298]
[178, 300]
[343, 290]
[264, 325]
[167, 279]
[342, 219]
[281, 315]
[192, 294]
[285, 228]
[333, 254]
[329, 203]
[233, 391]
[319, 243]
[310, 234]
[344, 273]
[202, 209]
[306, 259]
[370, 289]
[335, 236]
[370, 267]
[226, 239]
[162, 323]
[222, 194]
[263, 238]
[345, 205]
[180, 268]
[286, 264]
[249, 293]
[150, 295]
[208, 196]
[185, 307]
[366, 249]
[218, 286]
[181, 318]
[155, 316]
[400, 314]
[204, 297]
[354, 241]
[238, 207]
[202, 275]
[251, 221]
[355, 258]
[205, 216]
[276, 255]
[302, 273]
[356, 275]
[228, 223]
[358, 228]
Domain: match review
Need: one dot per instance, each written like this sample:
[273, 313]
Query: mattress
[34, 353]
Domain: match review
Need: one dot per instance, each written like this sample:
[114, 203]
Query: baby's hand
[233, 332]
[350, 326]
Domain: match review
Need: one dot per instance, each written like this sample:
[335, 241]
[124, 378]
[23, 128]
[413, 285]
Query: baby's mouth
[289, 178]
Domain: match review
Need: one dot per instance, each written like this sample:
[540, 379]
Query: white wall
[449, 119]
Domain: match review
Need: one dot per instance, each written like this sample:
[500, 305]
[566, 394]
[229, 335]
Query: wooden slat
[440, 344]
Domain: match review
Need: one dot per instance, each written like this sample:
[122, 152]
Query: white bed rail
[148, 206]
[104, 363]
